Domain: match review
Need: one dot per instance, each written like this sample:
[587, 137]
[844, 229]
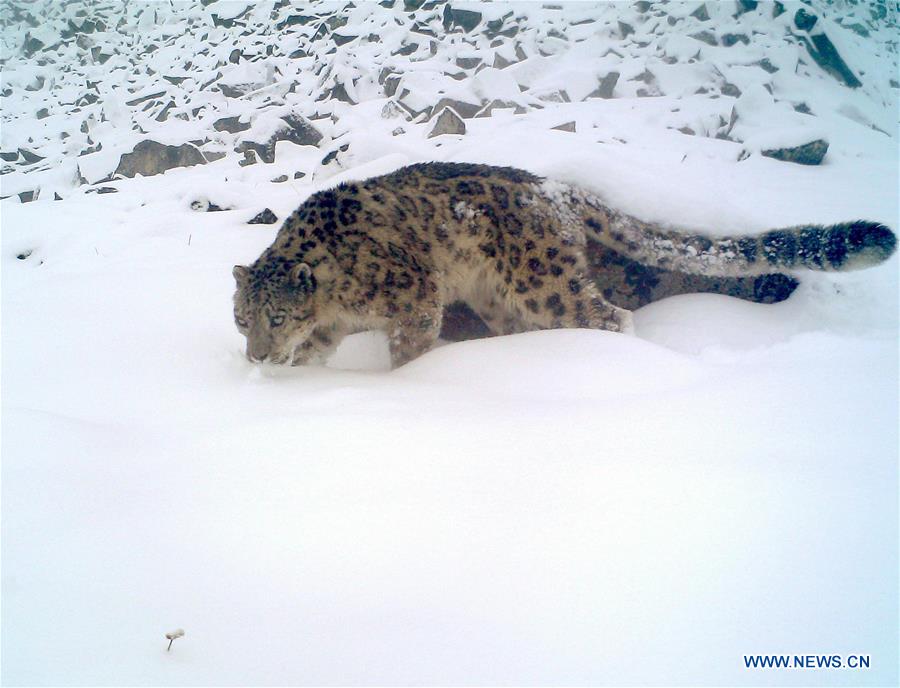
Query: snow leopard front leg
[318, 346]
[415, 331]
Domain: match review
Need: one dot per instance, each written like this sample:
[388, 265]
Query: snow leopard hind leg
[565, 301]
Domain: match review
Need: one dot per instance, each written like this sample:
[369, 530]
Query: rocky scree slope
[94, 92]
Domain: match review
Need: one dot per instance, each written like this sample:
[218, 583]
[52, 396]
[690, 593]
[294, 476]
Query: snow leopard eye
[277, 320]
[240, 321]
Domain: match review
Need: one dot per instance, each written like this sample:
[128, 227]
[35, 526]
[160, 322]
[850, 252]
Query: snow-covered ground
[558, 507]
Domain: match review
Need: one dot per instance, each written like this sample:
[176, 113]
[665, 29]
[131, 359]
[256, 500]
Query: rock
[827, 57]
[747, 6]
[333, 155]
[858, 29]
[625, 29]
[729, 89]
[31, 45]
[341, 39]
[143, 99]
[465, 19]
[390, 85]
[803, 20]
[238, 90]
[9, 157]
[265, 217]
[461, 108]
[339, 92]
[501, 62]
[707, 37]
[555, 95]
[810, 153]
[729, 39]
[423, 29]
[495, 27]
[777, 9]
[447, 122]
[337, 20]
[646, 76]
[687, 131]
[232, 125]
[500, 104]
[164, 113]
[767, 66]
[295, 20]
[407, 49]
[567, 126]
[468, 62]
[151, 157]
[701, 13]
[204, 205]
[280, 178]
[296, 129]
[392, 110]
[606, 87]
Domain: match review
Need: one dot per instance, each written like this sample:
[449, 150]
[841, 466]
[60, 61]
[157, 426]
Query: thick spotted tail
[844, 246]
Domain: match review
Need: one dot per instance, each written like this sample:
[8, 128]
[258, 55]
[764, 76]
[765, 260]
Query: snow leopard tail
[844, 246]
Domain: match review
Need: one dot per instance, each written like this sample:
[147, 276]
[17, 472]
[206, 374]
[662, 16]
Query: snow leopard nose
[257, 352]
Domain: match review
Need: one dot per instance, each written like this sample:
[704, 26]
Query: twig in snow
[171, 635]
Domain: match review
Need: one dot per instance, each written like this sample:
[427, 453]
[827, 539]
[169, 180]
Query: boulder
[701, 13]
[707, 37]
[264, 217]
[447, 122]
[295, 129]
[810, 153]
[606, 87]
[151, 157]
[465, 19]
[827, 57]
[232, 125]
[463, 109]
[567, 126]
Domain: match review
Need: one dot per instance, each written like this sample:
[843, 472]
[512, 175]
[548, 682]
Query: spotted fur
[392, 252]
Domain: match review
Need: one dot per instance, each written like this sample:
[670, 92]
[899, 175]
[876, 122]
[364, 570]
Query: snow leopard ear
[302, 278]
[241, 273]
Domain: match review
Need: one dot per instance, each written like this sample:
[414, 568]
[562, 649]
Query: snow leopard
[392, 252]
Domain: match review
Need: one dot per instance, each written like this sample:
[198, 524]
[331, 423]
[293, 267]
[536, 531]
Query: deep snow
[558, 507]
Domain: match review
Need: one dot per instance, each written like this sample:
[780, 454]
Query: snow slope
[561, 507]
